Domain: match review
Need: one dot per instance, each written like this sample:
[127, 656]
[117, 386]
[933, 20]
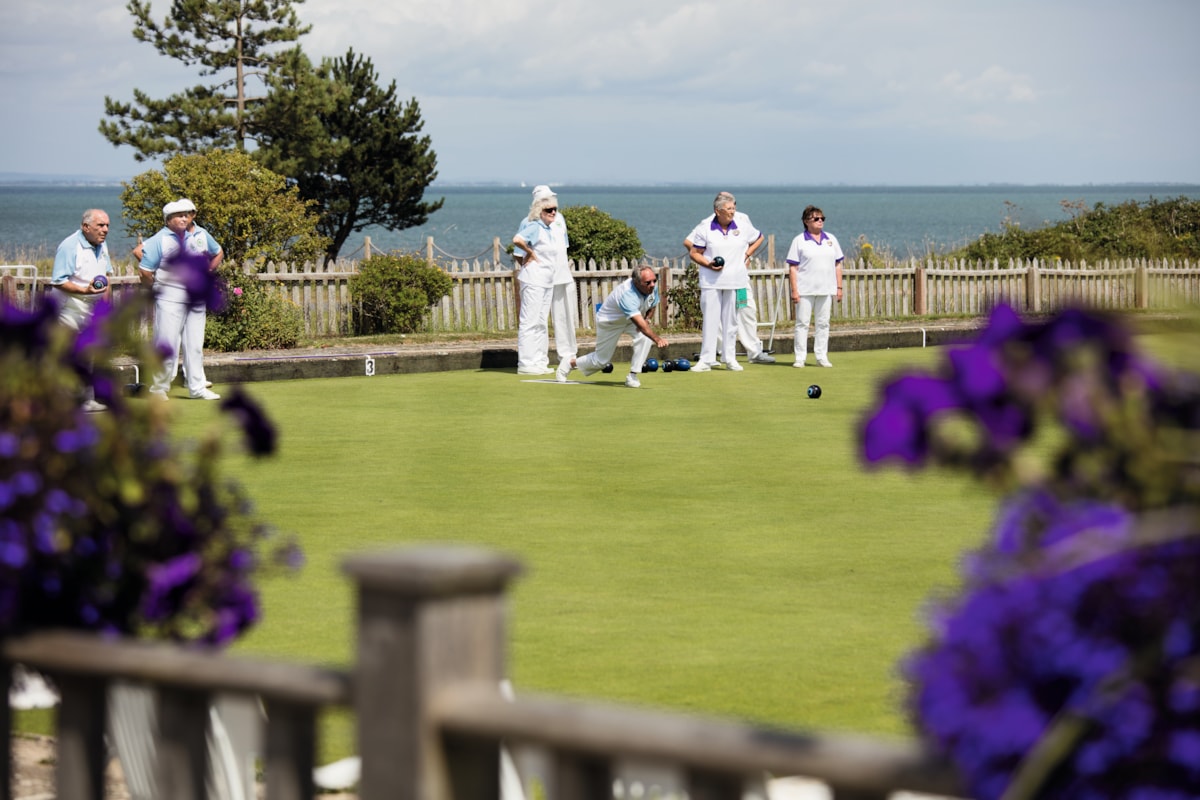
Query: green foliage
[231, 39]
[251, 211]
[352, 147]
[254, 317]
[685, 297]
[391, 294]
[1153, 229]
[595, 234]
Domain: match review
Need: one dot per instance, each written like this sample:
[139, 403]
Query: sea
[905, 221]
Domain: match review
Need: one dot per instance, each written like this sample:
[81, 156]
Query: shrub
[595, 234]
[254, 318]
[252, 212]
[1154, 229]
[685, 297]
[392, 293]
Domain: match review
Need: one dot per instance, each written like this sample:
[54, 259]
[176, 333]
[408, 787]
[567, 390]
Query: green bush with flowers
[254, 317]
[108, 523]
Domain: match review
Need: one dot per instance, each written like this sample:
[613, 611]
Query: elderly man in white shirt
[80, 263]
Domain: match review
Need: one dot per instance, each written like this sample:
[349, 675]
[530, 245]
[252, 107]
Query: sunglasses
[550, 210]
[816, 219]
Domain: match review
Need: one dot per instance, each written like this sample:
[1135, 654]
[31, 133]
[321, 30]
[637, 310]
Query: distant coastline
[42, 179]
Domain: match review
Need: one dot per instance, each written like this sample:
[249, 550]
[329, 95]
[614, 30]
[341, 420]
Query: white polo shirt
[730, 245]
[815, 263]
[79, 261]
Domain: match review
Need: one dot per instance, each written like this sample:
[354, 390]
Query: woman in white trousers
[547, 286]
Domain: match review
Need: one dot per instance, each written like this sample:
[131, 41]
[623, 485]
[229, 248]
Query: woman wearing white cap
[547, 286]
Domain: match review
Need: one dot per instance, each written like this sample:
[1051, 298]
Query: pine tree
[352, 146]
[232, 40]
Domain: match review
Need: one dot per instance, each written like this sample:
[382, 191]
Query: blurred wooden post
[428, 618]
[182, 744]
[366, 247]
[6, 723]
[496, 252]
[771, 251]
[429, 250]
[1141, 286]
[81, 755]
[8, 290]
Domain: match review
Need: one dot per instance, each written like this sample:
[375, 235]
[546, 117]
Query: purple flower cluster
[1068, 666]
[203, 285]
[1074, 383]
[107, 522]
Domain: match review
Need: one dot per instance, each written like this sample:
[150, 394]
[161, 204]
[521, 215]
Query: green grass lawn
[709, 543]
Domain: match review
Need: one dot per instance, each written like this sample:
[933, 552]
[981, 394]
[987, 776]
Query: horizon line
[75, 179]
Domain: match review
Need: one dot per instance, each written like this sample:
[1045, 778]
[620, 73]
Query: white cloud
[628, 90]
[994, 84]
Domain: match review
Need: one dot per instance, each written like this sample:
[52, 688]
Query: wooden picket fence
[483, 297]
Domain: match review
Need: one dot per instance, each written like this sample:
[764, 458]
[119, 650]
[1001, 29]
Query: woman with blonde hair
[547, 286]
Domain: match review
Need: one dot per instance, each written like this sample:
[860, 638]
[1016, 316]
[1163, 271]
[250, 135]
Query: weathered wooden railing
[430, 718]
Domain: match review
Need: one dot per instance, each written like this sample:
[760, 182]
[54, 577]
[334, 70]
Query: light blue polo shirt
[626, 302]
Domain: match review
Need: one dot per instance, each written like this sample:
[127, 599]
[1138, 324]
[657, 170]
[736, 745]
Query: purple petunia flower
[82, 437]
[900, 429]
[28, 331]
[203, 284]
[260, 433]
[1078, 625]
[165, 582]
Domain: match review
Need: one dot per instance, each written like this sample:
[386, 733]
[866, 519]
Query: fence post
[1033, 288]
[496, 252]
[427, 617]
[8, 292]
[429, 250]
[664, 288]
[1141, 286]
[81, 758]
[366, 247]
[920, 289]
[771, 251]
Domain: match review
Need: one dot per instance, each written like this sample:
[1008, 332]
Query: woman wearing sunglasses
[815, 261]
[547, 286]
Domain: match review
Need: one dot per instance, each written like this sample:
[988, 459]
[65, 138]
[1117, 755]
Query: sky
[757, 92]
